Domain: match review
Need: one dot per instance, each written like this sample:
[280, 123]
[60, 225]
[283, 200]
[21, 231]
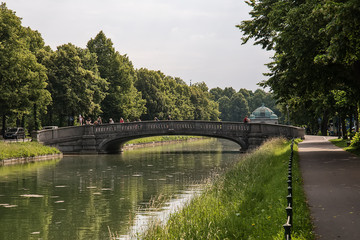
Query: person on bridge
[111, 121]
[121, 120]
[156, 119]
[246, 119]
[99, 120]
[88, 121]
[81, 120]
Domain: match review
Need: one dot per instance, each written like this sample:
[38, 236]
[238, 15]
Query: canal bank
[248, 202]
[23, 160]
[14, 152]
[26, 152]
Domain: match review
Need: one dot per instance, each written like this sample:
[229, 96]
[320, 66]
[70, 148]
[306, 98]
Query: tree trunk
[351, 126]
[343, 128]
[18, 122]
[36, 122]
[3, 124]
[51, 117]
[61, 120]
[23, 121]
[324, 123]
[357, 118]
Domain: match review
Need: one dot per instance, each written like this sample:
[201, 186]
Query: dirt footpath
[332, 186]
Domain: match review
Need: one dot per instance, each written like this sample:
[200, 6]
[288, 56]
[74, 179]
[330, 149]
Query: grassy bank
[341, 143]
[160, 139]
[248, 202]
[24, 149]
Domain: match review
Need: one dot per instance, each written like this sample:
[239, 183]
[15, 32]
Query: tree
[152, 87]
[239, 107]
[41, 96]
[75, 84]
[204, 107]
[178, 98]
[122, 100]
[315, 47]
[229, 92]
[22, 78]
[225, 108]
[216, 93]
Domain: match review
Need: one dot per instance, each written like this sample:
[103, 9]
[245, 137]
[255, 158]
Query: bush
[355, 142]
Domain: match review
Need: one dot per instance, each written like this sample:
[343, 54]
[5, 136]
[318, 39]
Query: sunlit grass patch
[161, 139]
[24, 149]
[343, 143]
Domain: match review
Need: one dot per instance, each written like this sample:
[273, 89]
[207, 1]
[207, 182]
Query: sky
[195, 40]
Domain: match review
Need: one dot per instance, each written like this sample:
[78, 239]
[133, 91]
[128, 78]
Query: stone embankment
[23, 160]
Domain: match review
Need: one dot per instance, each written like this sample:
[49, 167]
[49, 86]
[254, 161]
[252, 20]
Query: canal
[93, 197]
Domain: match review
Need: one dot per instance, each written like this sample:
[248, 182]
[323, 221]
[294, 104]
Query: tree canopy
[316, 49]
[22, 78]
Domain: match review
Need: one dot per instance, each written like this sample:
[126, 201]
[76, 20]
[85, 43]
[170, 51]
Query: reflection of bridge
[109, 138]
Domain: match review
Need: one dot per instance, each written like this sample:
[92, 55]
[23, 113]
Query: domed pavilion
[264, 115]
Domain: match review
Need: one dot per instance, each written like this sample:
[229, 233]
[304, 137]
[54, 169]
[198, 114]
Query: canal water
[95, 197]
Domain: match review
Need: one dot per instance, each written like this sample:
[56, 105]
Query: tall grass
[24, 149]
[248, 202]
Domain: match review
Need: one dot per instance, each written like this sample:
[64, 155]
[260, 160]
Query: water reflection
[82, 197]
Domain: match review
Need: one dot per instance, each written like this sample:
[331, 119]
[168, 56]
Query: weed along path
[332, 186]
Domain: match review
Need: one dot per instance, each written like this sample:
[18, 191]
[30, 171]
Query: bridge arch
[115, 144]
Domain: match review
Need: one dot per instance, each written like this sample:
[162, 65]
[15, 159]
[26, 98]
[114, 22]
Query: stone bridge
[109, 138]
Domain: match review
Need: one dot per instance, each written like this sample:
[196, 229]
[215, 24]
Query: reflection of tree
[24, 170]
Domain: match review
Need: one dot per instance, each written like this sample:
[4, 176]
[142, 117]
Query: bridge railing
[172, 125]
[60, 133]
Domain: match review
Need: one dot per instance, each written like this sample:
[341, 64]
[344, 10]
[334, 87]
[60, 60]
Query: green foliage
[239, 107]
[234, 106]
[246, 203]
[205, 108]
[123, 99]
[22, 78]
[315, 52]
[165, 96]
[75, 84]
[24, 149]
[343, 143]
[355, 142]
[225, 108]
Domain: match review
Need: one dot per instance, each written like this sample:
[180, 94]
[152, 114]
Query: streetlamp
[287, 110]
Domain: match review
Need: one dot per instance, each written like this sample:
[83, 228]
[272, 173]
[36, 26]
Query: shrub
[355, 142]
